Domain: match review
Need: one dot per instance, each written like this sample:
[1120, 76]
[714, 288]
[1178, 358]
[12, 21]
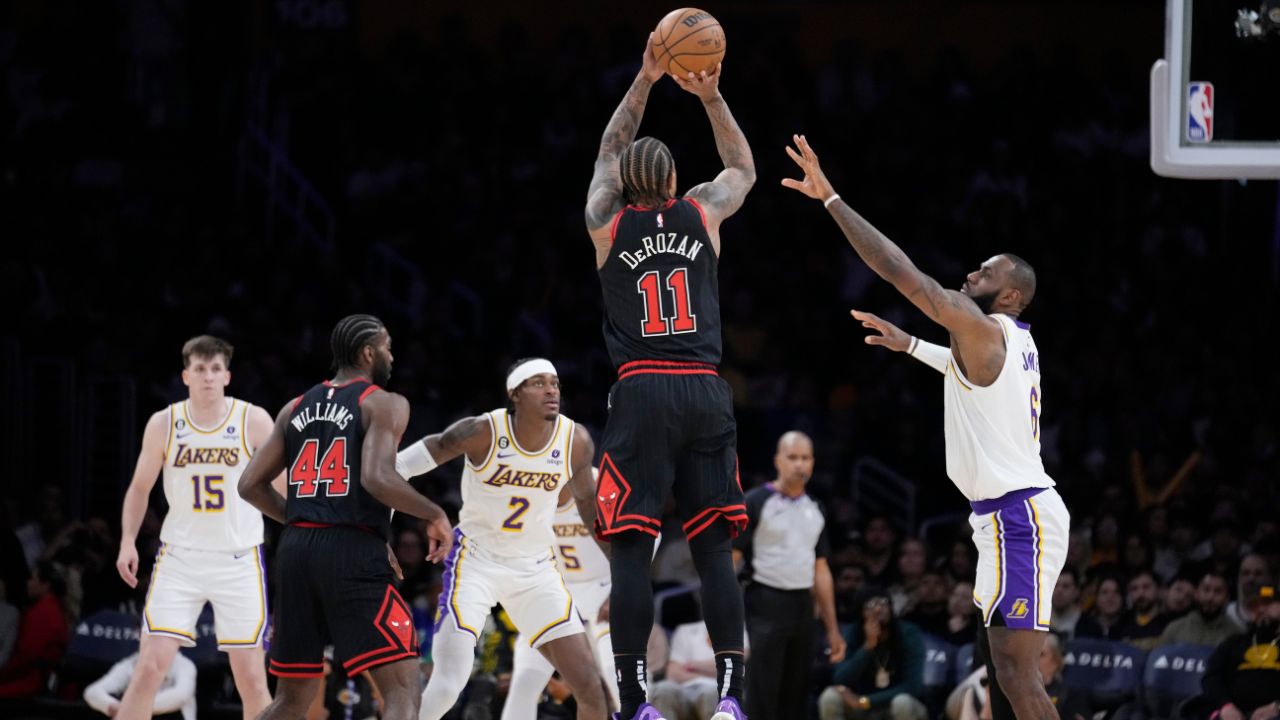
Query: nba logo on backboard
[1199, 112]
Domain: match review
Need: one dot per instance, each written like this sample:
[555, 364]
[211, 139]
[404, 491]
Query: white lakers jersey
[581, 560]
[201, 470]
[509, 501]
[993, 432]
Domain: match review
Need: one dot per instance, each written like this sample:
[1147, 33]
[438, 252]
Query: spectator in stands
[9, 617]
[1105, 542]
[177, 692]
[1103, 621]
[1222, 548]
[1252, 574]
[1066, 603]
[1207, 624]
[878, 540]
[1142, 624]
[785, 548]
[968, 701]
[884, 677]
[932, 605]
[689, 690]
[912, 561]
[850, 580]
[1164, 561]
[1242, 677]
[1179, 597]
[962, 623]
[42, 635]
[411, 553]
[960, 561]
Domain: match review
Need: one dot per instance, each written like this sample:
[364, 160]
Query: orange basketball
[688, 40]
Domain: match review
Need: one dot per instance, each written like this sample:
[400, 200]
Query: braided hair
[349, 337]
[646, 166]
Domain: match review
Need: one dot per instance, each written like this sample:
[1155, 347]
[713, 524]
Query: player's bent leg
[398, 683]
[249, 670]
[155, 655]
[572, 656]
[529, 676]
[1016, 655]
[453, 653]
[293, 696]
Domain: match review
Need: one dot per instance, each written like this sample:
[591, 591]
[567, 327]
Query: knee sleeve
[721, 594]
[631, 600]
[453, 654]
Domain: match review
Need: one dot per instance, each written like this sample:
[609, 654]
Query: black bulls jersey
[661, 290]
[323, 451]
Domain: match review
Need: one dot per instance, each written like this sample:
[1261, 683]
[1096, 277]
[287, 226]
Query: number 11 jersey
[323, 444]
[661, 290]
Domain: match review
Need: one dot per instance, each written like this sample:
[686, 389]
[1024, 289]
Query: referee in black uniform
[785, 548]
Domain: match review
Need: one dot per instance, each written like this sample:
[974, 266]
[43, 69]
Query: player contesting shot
[671, 426]
[339, 440]
[992, 406]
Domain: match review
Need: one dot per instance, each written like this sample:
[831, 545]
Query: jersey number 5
[655, 323]
[332, 471]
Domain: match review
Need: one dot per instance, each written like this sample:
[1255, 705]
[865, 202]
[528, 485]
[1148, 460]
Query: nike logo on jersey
[505, 455]
[179, 436]
[240, 555]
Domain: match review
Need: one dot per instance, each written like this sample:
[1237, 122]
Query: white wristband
[935, 356]
[415, 460]
[827, 203]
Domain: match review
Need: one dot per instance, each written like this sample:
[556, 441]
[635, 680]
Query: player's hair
[350, 336]
[48, 573]
[645, 166]
[1023, 277]
[206, 346]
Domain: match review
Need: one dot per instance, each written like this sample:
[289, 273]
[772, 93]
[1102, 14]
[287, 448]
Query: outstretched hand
[815, 183]
[703, 85]
[891, 336]
[650, 68]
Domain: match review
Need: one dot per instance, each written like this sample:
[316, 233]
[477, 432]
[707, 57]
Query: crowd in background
[456, 174]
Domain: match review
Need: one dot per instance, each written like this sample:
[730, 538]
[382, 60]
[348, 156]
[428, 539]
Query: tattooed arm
[604, 195]
[949, 308]
[472, 436]
[723, 196]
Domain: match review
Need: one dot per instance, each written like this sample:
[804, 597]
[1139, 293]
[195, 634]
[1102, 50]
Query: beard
[380, 372]
[1211, 615]
[984, 302]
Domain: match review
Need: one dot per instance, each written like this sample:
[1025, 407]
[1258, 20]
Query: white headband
[526, 370]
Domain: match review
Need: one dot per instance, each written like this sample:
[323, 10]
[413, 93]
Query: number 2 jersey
[509, 500]
[993, 432]
[323, 445]
[661, 291]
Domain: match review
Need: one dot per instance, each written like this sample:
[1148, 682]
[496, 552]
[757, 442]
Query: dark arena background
[257, 170]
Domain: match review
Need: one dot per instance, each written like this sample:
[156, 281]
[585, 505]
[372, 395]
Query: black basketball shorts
[670, 430]
[336, 588]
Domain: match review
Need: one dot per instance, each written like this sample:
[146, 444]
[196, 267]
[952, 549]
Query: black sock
[731, 668]
[632, 684]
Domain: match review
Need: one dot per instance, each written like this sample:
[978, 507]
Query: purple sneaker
[728, 709]
[645, 712]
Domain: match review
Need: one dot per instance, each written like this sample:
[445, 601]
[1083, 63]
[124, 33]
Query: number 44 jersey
[661, 291]
[323, 444]
[509, 499]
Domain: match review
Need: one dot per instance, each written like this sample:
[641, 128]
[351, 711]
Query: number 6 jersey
[509, 500]
[323, 449]
[661, 292]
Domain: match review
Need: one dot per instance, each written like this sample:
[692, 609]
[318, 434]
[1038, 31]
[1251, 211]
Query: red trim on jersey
[297, 665]
[367, 391]
[380, 661]
[613, 229]
[701, 212]
[314, 525]
[326, 383]
[665, 367]
[296, 402]
[623, 527]
[736, 515]
[279, 673]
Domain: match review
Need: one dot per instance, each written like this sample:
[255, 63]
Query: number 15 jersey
[661, 291]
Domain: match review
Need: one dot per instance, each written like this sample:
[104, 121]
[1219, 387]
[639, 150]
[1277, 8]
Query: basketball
[688, 40]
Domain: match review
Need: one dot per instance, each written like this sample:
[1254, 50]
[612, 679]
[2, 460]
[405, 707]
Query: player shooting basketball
[992, 415]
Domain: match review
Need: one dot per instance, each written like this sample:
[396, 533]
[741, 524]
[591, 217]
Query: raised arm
[604, 195]
[721, 197]
[386, 415]
[949, 308]
[150, 462]
[266, 465]
[472, 436]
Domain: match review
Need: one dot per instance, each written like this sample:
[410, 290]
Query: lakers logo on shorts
[1019, 609]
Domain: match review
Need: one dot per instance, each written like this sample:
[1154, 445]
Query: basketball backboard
[1215, 105]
